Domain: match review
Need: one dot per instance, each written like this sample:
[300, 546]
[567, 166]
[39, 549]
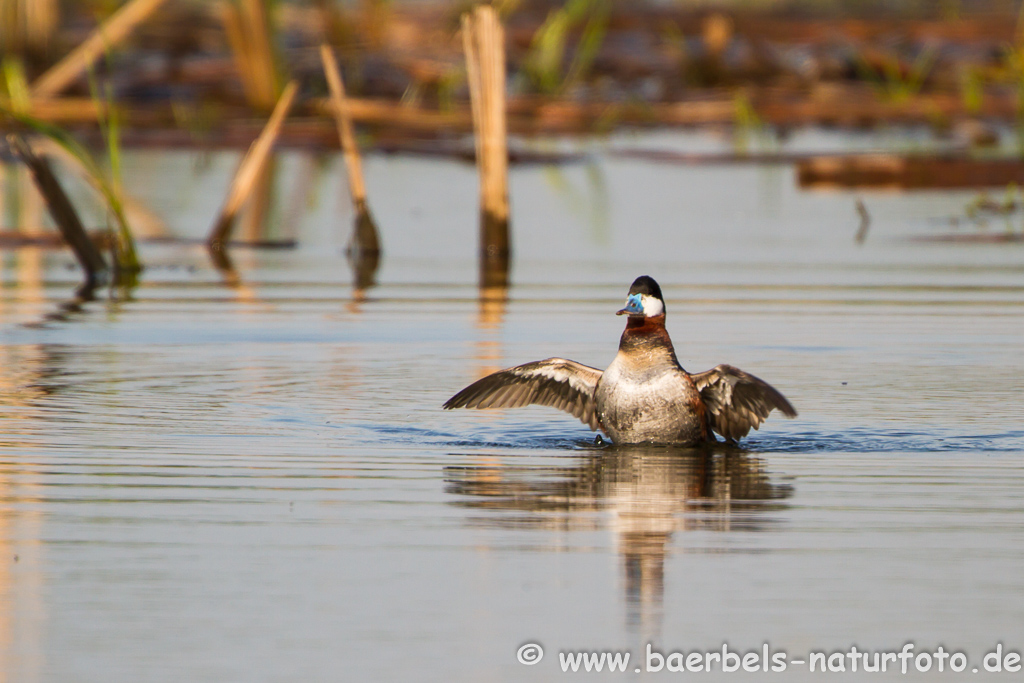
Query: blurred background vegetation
[199, 67]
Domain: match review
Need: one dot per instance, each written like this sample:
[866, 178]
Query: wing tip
[787, 408]
[459, 400]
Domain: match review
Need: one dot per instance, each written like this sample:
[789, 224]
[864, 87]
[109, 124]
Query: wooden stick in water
[485, 55]
[249, 170]
[365, 241]
[63, 212]
[115, 29]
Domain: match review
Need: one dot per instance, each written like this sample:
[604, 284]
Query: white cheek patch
[652, 306]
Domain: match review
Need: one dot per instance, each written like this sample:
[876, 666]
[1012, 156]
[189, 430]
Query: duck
[645, 395]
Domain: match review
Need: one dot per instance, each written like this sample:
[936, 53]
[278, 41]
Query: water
[213, 483]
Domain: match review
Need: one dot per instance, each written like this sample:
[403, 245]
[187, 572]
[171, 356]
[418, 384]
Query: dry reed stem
[27, 25]
[365, 244]
[343, 119]
[258, 30]
[495, 145]
[248, 35]
[114, 30]
[472, 78]
[485, 55]
[63, 212]
[393, 114]
[42, 18]
[235, 34]
[249, 170]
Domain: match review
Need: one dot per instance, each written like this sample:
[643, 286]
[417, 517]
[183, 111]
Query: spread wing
[738, 401]
[556, 382]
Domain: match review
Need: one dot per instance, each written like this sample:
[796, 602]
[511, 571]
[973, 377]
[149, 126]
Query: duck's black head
[644, 299]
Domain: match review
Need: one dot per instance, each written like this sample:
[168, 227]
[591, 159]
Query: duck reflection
[650, 493]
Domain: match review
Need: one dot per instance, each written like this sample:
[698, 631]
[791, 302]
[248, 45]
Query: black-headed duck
[644, 396]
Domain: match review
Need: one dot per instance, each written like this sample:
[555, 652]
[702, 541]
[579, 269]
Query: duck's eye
[634, 304]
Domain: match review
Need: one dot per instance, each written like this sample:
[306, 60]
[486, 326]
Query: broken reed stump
[114, 30]
[364, 247]
[484, 44]
[247, 174]
[64, 215]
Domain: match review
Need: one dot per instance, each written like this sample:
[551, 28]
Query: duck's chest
[638, 402]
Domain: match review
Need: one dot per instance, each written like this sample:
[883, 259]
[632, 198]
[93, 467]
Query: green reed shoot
[972, 89]
[747, 122]
[15, 84]
[544, 63]
[109, 120]
[126, 255]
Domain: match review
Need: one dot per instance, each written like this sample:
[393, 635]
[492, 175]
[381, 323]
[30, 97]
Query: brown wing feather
[738, 401]
[557, 382]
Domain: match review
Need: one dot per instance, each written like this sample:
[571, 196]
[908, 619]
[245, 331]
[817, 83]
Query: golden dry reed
[484, 43]
[248, 32]
[249, 170]
[364, 239]
[27, 25]
[114, 30]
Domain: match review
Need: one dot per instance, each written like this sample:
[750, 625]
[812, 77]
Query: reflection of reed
[651, 492]
[30, 268]
[21, 581]
[490, 316]
[27, 374]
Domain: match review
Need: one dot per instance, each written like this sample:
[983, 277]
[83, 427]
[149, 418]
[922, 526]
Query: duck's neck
[647, 335]
[639, 325]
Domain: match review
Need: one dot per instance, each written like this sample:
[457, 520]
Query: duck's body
[644, 396]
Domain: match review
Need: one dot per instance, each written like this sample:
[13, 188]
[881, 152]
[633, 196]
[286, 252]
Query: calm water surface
[255, 482]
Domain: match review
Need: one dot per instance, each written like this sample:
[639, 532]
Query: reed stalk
[126, 257]
[485, 54]
[27, 26]
[127, 261]
[247, 27]
[63, 213]
[110, 33]
[365, 241]
[472, 79]
[249, 170]
[16, 85]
